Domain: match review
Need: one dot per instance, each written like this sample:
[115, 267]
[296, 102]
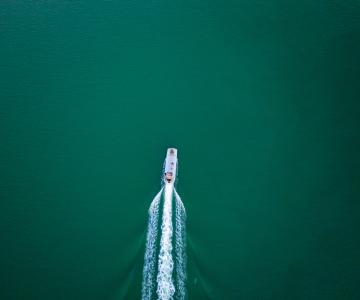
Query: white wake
[150, 252]
[164, 272]
[166, 289]
[180, 246]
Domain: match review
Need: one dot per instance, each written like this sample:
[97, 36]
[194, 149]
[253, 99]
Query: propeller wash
[164, 272]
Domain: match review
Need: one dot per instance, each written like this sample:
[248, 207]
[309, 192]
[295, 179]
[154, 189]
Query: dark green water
[260, 97]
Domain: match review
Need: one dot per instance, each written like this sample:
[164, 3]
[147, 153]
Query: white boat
[170, 165]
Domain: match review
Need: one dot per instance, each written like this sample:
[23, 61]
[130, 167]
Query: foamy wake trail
[180, 247]
[164, 272]
[150, 252]
[166, 289]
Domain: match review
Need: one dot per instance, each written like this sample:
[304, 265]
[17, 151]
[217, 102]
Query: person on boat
[168, 176]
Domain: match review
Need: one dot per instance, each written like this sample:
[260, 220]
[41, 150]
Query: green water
[260, 97]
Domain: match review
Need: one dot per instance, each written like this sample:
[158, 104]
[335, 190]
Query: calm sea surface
[260, 97]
